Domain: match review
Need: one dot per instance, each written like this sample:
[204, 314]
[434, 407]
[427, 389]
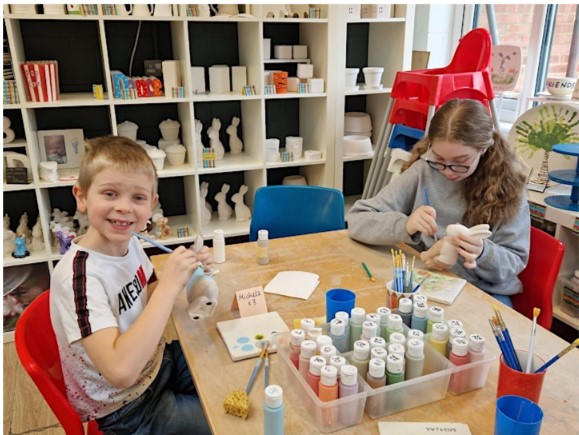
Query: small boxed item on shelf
[570, 296]
[327, 416]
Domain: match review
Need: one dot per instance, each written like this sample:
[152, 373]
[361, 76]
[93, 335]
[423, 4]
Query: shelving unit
[104, 43]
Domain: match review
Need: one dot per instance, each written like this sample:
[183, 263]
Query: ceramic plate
[542, 127]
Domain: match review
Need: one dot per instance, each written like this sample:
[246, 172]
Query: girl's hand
[423, 219]
[469, 247]
[179, 267]
[430, 257]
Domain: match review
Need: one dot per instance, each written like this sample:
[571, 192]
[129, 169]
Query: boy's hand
[430, 257]
[469, 247]
[179, 267]
[423, 219]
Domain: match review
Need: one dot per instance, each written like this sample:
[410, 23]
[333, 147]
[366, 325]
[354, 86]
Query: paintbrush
[153, 242]
[427, 201]
[536, 312]
[368, 272]
[509, 343]
[556, 357]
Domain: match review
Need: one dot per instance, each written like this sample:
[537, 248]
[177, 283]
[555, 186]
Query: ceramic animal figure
[206, 209]
[9, 237]
[164, 229]
[224, 210]
[64, 238]
[242, 212]
[6, 222]
[23, 227]
[20, 249]
[235, 144]
[83, 223]
[214, 141]
[198, 143]
[37, 242]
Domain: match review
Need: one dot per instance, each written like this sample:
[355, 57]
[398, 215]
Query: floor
[25, 411]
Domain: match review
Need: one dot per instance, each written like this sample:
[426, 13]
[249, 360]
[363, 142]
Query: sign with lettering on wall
[250, 301]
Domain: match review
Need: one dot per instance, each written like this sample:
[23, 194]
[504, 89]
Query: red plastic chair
[539, 277]
[467, 76]
[38, 352]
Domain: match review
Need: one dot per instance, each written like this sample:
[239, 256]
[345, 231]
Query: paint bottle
[453, 332]
[453, 323]
[342, 315]
[420, 298]
[476, 351]
[379, 352]
[327, 351]
[369, 330]
[360, 357]
[328, 383]
[314, 333]
[418, 320]
[374, 317]
[415, 333]
[218, 246]
[338, 334]
[313, 379]
[439, 338]
[307, 350]
[328, 391]
[405, 310]
[414, 358]
[383, 312]
[262, 247]
[435, 315]
[323, 340]
[459, 356]
[396, 349]
[398, 337]
[306, 324]
[394, 325]
[338, 361]
[296, 338]
[273, 411]
[348, 386]
[377, 342]
[376, 376]
[357, 316]
[394, 369]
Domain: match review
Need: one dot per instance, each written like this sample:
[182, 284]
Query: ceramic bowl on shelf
[294, 180]
[357, 122]
[357, 145]
[560, 86]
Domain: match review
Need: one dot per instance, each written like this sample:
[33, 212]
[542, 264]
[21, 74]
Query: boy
[108, 320]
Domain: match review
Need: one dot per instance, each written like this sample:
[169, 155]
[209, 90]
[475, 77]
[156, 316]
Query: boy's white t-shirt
[90, 291]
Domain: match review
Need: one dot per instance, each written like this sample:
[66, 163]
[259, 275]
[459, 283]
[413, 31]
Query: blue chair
[293, 210]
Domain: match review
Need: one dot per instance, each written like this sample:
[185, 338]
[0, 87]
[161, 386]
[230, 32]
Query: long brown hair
[493, 191]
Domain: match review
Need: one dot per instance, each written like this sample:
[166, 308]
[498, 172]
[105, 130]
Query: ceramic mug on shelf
[123, 11]
[143, 10]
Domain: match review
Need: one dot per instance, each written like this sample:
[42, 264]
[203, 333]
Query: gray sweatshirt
[382, 221]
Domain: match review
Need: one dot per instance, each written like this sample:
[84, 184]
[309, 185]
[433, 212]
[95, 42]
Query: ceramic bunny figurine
[224, 210]
[23, 228]
[37, 242]
[242, 212]
[235, 144]
[206, 209]
[83, 224]
[198, 143]
[214, 142]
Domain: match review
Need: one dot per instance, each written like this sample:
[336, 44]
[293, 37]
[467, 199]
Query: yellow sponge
[237, 403]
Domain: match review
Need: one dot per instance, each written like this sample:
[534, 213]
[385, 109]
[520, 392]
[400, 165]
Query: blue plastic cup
[516, 415]
[339, 299]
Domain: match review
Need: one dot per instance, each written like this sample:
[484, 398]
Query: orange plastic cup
[512, 382]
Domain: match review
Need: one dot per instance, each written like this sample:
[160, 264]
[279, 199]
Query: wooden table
[337, 260]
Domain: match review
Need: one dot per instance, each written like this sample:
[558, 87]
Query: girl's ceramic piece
[242, 212]
[214, 141]
[448, 252]
[224, 210]
[206, 209]
[235, 144]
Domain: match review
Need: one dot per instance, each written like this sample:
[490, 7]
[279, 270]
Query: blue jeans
[504, 299]
[169, 406]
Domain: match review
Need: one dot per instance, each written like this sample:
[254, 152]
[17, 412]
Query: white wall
[433, 31]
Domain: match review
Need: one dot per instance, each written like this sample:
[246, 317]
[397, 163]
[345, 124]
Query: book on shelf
[439, 287]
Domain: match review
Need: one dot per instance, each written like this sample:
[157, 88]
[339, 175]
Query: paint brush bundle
[403, 273]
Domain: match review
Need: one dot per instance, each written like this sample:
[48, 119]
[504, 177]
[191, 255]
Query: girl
[464, 172]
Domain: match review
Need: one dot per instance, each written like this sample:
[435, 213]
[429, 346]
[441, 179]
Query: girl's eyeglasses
[459, 169]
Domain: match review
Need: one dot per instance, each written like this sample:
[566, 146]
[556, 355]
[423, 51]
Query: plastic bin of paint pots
[326, 416]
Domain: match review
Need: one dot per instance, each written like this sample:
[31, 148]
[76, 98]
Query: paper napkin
[294, 284]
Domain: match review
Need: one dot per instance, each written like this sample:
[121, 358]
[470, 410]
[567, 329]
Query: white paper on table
[409, 428]
[294, 284]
